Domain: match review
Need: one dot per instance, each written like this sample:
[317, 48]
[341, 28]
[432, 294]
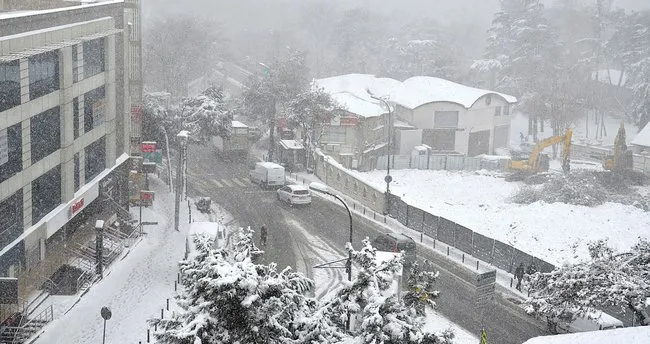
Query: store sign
[76, 206]
[136, 113]
[4, 147]
[146, 195]
[148, 147]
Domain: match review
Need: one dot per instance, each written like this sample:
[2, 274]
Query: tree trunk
[271, 130]
[638, 310]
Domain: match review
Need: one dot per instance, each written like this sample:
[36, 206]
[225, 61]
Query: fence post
[190, 210]
[147, 335]
[162, 313]
[364, 210]
[167, 303]
[477, 264]
[175, 286]
[434, 243]
[421, 234]
[179, 277]
[384, 218]
[447, 250]
[463, 257]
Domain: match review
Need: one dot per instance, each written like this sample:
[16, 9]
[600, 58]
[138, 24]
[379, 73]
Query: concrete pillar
[24, 81]
[27, 205]
[110, 111]
[67, 125]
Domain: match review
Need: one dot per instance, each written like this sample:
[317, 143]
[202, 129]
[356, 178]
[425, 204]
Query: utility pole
[182, 138]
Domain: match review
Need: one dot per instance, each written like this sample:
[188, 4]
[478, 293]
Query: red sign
[282, 122]
[136, 113]
[76, 206]
[146, 195]
[349, 121]
[148, 147]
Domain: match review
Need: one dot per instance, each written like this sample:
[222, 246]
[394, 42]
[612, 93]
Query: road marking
[226, 182]
[238, 182]
[217, 184]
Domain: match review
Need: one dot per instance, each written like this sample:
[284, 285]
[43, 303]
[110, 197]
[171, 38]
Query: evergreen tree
[609, 279]
[227, 298]
[372, 298]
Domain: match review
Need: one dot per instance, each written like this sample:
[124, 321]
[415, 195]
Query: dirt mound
[587, 188]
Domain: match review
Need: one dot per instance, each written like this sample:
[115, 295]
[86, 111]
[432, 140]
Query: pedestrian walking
[519, 275]
[263, 235]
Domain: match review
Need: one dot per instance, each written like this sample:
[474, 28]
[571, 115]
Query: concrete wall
[338, 178]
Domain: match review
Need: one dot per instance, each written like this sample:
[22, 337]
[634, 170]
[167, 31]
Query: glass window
[9, 85]
[95, 158]
[77, 167]
[75, 116]
[93, 57]
[45, 134]
[506, 110]
[334, 133]
[445, 119]
[497, 111]
[11, 161]
[93, 108]
[43, 74]
[11, 218]
[46, 193]
[75, 64]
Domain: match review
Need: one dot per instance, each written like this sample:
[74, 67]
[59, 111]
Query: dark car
[393, 242]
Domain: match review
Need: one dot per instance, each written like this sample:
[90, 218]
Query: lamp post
[182, 137]
[388, 177]
[318, 187]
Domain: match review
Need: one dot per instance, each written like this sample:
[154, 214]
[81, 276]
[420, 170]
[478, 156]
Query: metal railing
[26, 330]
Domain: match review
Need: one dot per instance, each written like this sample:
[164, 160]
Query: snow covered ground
[630, 335]
[555, 232]
[134, 288]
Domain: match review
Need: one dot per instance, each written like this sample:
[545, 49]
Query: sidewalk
[505, 281]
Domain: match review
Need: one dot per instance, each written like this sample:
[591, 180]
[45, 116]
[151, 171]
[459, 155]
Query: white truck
[267, 174]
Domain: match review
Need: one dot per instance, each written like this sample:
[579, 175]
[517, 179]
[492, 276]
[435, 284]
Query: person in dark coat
[263, 235]
[519, 275]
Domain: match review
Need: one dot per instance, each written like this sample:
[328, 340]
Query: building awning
[291, 144]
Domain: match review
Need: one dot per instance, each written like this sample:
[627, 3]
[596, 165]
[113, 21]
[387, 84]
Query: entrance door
[479, 143]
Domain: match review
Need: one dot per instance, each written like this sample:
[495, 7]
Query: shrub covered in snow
[587, 188]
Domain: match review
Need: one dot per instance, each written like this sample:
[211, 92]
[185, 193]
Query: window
[439, 140]
[75, 64]
[497, 111]
[93, 52]
[9, 85]
[334, 133]
[11, 218]
[75, 117]
[43, 74]
[11, 161]
[506, 110]
[46, 193]
[77, 168]
[45, 134]
[445, 119]
[95, 158]
[93, 108]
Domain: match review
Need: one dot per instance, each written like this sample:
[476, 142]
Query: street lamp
[321, 188]
[388, 177]
[182, 136]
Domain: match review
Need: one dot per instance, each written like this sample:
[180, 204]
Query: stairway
[26, 328]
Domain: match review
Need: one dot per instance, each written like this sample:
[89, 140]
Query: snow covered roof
[643, 137]
[629, 335]
[291, 144]
[420, 90]
[238, 124]
[25, 13]
[351, 91]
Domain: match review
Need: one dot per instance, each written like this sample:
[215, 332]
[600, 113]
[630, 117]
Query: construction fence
[597, 154]
[442, 162]
[489, 250]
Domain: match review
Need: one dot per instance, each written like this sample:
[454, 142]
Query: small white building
[641, 143]
[454, 117]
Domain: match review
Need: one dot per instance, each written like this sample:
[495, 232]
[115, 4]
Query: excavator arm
[533, 161]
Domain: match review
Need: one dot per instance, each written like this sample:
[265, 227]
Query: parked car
[294, 194]
[394, 242]
[590, 321]
[267, 174]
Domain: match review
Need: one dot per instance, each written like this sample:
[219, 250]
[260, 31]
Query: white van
[214, 230]
[589, 321]
[267, 174]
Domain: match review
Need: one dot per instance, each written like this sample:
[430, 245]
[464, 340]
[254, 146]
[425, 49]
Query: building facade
[65, 125]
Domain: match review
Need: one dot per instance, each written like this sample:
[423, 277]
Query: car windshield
[301, 192]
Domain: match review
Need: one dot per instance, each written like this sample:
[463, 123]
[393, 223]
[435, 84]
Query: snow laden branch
[372, 300]
[609, 279]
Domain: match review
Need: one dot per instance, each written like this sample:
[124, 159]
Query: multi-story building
[65, 123]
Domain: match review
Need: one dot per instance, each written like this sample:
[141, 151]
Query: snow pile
[554, 232]
[630, 335]
[584, 187]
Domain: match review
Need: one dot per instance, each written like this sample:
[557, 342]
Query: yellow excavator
[537, 162]
[622, 159]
